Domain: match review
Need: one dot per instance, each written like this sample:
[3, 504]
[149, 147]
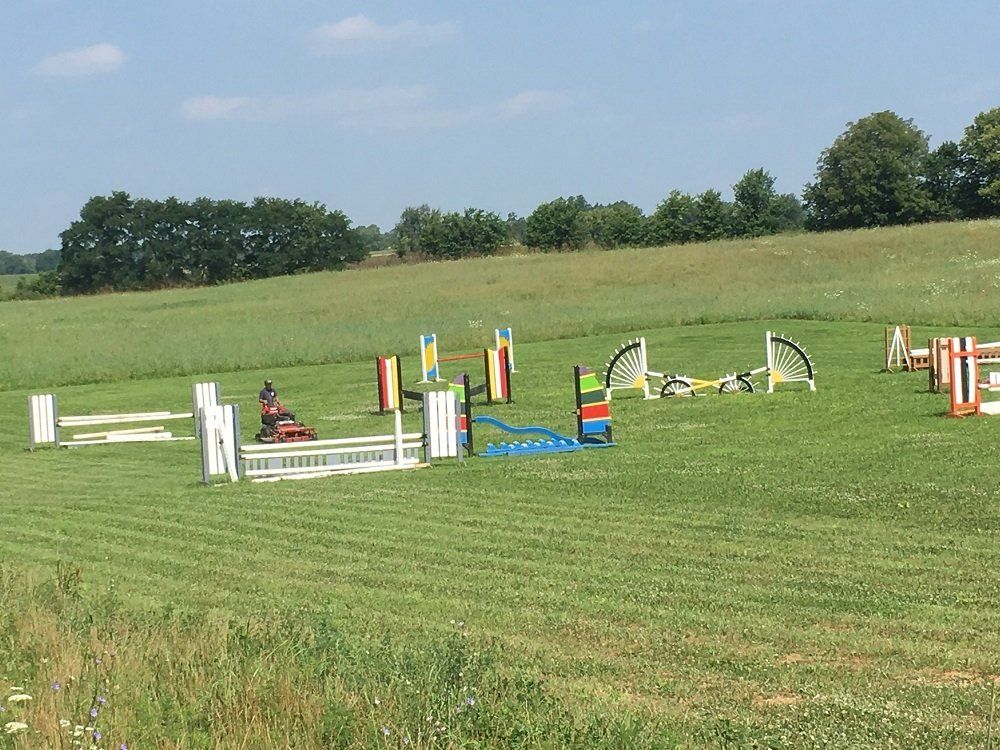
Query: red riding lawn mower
[278, 425]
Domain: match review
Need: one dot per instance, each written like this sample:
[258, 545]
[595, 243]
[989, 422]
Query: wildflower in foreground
[102, 700]
[97, 735]
[386, 731]
[64, 723]
[56, 687]
[123, 747]
[19, 698]
[12, 727]
[470, 701]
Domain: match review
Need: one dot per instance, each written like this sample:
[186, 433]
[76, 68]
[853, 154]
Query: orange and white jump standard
[964, 359]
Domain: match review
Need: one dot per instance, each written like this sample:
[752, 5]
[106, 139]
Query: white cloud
[213, 107]
[341, 103]
[741, 122]
[530, 102]
[98, 58]
[387, 107]
[360, 33]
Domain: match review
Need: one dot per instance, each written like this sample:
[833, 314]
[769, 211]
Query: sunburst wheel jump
[627, 369]
[786, 362]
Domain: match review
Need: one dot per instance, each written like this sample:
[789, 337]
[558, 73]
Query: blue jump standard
[554, 442]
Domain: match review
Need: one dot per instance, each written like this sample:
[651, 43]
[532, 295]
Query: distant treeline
[14, 264]
[120, 243]
[879, 172]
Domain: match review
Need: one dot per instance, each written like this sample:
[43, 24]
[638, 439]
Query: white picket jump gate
[44, 422]
[223, 454]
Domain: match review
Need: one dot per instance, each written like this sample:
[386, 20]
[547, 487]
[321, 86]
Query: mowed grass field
[788, 570]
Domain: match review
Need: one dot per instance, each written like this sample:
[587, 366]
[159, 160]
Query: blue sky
[372, 107]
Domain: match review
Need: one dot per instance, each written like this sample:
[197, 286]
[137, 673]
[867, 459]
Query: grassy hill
[934, 275]
[8, 283]
[791, 570]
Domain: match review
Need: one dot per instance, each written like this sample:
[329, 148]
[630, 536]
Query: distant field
[8, 282]
[937, 274]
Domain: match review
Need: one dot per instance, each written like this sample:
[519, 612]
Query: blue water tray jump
[551, 442]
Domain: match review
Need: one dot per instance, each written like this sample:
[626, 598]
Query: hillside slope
[941, 274]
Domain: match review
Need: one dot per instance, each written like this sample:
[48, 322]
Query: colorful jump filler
[496, 385]
[785, 362]
[593, 414]
[964, 359]
[430, 359]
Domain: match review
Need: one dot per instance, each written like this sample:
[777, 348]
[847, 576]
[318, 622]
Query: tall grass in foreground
[932, 275]
[83, 672]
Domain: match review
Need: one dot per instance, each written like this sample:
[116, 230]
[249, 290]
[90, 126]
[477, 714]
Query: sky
[372, 107]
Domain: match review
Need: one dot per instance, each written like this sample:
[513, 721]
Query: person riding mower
[278, 424]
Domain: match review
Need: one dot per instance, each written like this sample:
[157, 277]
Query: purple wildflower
[386, 731]
[470, 701]
[123, 747]
[56, 687]
[102, 700]
[97, 735]
[93, 712]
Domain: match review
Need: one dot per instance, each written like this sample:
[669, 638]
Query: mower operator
[271, 409]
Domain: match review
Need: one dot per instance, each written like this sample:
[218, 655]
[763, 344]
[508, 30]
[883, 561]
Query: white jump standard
[223, 455]
[44, 422]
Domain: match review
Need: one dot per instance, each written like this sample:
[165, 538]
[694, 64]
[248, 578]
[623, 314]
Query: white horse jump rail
[44, 421]
[222, 453]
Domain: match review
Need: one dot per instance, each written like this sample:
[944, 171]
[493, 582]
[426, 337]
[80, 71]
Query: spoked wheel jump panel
[739, 384]
[626, 370]
[788, 362]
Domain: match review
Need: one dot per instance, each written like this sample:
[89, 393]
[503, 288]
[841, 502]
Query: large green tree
[943, 181]
[673, 221]
[619, 224]
[759, 210]
[754, 195]
[712, 216]
[871, 176]
[980, 157]
[454, 235]
[558, 224]
[408, 228]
